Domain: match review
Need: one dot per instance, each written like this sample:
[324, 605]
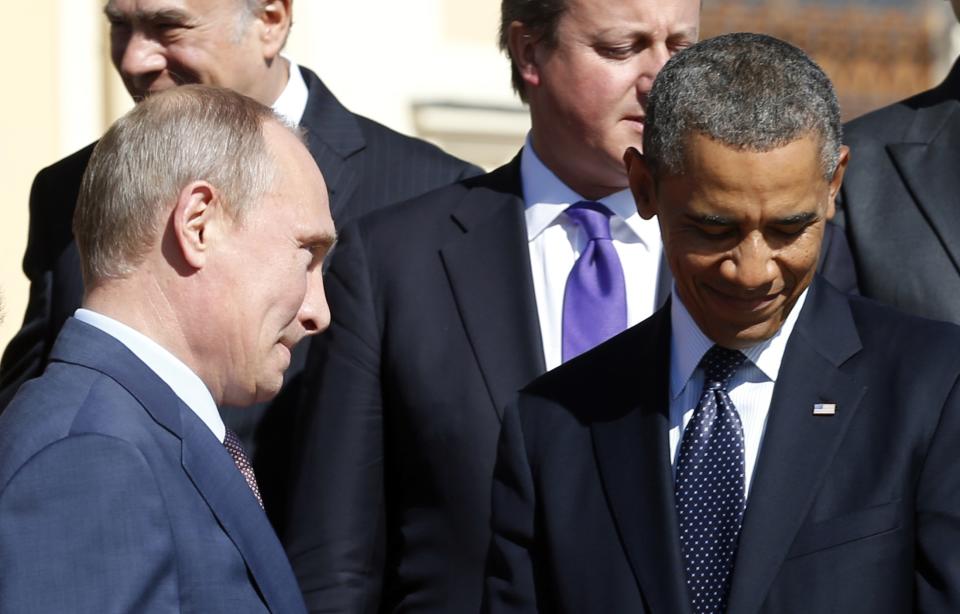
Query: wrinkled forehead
[151, 10]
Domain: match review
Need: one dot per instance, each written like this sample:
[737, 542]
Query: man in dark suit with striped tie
[763, 443]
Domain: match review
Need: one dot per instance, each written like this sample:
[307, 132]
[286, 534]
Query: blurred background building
[429, 68]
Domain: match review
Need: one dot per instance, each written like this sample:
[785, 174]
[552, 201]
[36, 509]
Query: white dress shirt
[750, 388]
[182, 380]
[555, 243]
[293, 99]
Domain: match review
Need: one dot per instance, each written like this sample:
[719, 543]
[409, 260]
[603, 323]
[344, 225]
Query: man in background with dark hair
[900, 203]
[763, 443]
[158, 44]
[390, 511]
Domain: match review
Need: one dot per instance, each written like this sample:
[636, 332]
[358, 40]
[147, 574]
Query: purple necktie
[595, 298]
[232, 443]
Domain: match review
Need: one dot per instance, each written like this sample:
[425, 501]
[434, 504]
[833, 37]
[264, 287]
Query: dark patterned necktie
[709, 485]
[595, 296]
[232, 443]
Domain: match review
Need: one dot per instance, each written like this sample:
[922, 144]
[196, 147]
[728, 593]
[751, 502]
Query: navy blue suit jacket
[434, 330]
[366, 166]
[854, 512]
[116, 497]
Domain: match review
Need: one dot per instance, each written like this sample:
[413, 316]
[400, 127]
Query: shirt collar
[546, 197]
[182, 380]
[688, 344]
[293, 99]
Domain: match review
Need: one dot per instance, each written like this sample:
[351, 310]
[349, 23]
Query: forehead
[298, 180]
[624, 16]
[734, 180]
[186, 8]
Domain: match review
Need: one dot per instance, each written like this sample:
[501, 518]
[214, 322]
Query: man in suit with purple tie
[202, 224]
[763, 443]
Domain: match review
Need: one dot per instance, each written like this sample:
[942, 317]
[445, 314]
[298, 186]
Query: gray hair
[148, 156]
[541, 16]
[747, 91]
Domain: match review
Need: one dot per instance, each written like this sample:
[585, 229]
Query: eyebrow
[323, 242]
[619, 31]
[710, 219]
[798, 218]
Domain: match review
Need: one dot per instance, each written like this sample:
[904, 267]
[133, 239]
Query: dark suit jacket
[116, 497]
[901, 202]
[855, 512]
[434, 329]
[366, 166]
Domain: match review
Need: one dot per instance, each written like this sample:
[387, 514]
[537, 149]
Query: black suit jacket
[901, 202]
[855, 512]
[366, 166]
[434, 329]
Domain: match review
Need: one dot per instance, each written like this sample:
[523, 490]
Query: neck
[587, 177]
[270, 88]
[144, 304]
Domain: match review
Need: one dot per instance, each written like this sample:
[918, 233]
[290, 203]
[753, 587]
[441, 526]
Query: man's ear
[197, 218]
[523, 42]
[641, 182]
[275, 19]
[837, 180]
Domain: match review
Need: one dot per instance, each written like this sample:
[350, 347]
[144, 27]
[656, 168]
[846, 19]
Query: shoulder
[380, 137]
[890, 329]
[433, 214]
[67, 172]
[607, 381]
[889, 124]
[68, 401]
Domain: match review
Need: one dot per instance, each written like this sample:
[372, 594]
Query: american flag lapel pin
[824, 409]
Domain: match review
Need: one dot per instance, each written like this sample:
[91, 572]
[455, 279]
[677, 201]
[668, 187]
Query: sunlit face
[741, 232]
[588, 93]
[157, 44]
[270, 275]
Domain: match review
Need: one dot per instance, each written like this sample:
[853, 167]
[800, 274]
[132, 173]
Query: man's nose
[314, 312]
[139, 55]
[752, 265]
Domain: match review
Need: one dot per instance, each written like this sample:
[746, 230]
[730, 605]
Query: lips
[746, 304]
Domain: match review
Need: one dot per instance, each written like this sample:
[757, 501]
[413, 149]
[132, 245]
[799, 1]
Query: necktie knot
[719, 364]
[592, 217]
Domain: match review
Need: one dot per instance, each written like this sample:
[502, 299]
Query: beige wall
[29, 138]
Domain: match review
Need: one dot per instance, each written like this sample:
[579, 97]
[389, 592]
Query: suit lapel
[924, 167]
[205, 461]
[333, 136]
[488, 267]
[798, 446]
[224, 489]
[633, 457]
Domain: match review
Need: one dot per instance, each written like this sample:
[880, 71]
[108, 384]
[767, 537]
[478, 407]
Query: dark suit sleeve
[836, 260]
[937, 566]
[509, 586]
[83, 528]
[335, 531]
[49, 252]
